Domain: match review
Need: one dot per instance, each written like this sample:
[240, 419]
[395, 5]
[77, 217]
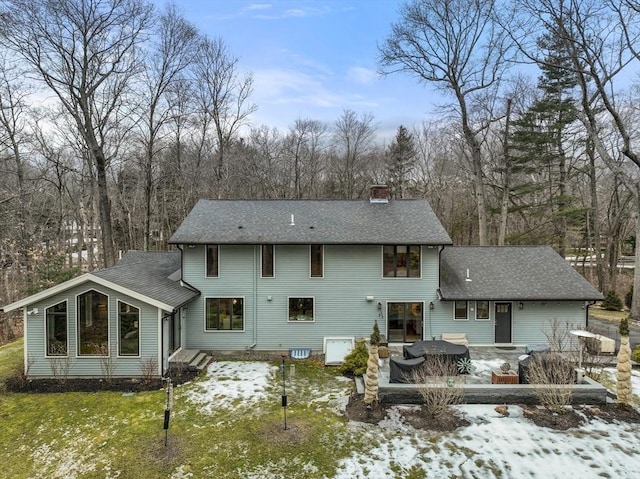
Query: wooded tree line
[116, 117]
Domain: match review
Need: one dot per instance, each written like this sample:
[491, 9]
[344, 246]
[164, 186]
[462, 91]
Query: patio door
[174, 332]
[503, 323]
[404, 322]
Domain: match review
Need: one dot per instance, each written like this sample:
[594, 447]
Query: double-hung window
[224, 314]
[301, 309]
[461, 310]
[317, 261]
[401, 261]
[212, 261]
[267, 260]
[482, 310]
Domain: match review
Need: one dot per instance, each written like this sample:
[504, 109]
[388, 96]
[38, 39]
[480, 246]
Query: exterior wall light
[520, 305]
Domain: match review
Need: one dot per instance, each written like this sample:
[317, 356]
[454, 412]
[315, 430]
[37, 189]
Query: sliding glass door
[404, 322]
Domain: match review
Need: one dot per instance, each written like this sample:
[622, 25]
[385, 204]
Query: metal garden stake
[284, 394]
[167, 409]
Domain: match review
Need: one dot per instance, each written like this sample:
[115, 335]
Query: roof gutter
[183, 282]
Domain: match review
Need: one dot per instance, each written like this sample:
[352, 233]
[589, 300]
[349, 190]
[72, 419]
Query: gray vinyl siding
[83, 366]
[351, 273]
[528, 325]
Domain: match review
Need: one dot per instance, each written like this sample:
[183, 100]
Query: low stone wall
[588, 392]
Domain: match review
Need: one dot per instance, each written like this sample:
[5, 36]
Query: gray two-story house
[271, 275]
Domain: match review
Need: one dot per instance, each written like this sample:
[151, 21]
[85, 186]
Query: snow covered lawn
[491, 446]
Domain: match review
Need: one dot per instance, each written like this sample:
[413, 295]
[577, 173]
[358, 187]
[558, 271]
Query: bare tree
[84, 52]
[14, 131]
[171, 51]
[304, 147]
[223, 101]
[457, 46]
[353, 141]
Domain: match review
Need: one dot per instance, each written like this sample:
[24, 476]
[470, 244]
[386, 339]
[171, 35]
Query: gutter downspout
[586, 319]
[256, 267]
[182, 280]
[173, 312]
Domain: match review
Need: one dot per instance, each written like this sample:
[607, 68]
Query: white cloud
[258, 6]
[362, 76]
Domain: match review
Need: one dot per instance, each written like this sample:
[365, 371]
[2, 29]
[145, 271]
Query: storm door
[404, 322]
[503, 323]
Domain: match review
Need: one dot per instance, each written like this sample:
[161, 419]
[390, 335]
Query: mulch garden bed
[20, 385]
[417, 417]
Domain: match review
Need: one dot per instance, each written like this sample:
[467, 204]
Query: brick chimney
[379, 194]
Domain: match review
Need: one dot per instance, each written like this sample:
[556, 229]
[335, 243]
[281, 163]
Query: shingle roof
[148, 273]
[510, 273]
[314, 221]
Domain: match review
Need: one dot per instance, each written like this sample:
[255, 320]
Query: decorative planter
[383, 352]
[498, 377]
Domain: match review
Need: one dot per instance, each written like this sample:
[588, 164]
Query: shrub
[612, 302]
[628, 298]
[623, 329]
[636, 354]
[355, 363]
[552, 376]
[438, 383]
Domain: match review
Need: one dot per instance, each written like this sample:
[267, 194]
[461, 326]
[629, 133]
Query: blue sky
[315, 58]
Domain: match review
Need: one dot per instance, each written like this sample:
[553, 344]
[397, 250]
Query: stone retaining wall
[588, 392]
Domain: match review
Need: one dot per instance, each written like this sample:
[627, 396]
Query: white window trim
[454, 311]
[273, 260]
[118, 355]
[476, 312]
[295, 321]
[81, 356]
[206, 260]
[225, 331]
[310, 262]
[397, 278]
[46, 348]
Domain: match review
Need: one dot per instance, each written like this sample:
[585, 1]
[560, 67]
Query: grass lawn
[605, 315]
[109, 435]
[229, 424]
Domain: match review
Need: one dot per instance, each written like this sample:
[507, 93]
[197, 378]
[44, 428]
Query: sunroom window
[56, 326]
[129, 327]
[93, 324]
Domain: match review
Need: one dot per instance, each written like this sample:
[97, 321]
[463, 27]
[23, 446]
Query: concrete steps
[191, 360]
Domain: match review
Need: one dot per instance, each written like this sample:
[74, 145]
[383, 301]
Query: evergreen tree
[541, 165]
[402, 160]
